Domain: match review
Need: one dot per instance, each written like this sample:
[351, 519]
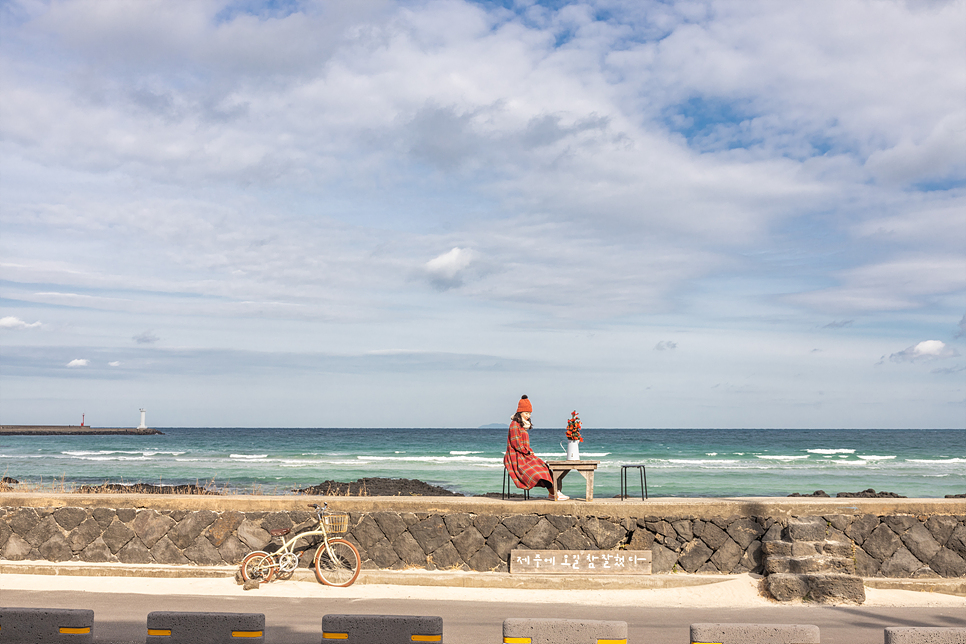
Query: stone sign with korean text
[597, 562]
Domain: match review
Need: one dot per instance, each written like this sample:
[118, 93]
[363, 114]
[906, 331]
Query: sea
[678, 462]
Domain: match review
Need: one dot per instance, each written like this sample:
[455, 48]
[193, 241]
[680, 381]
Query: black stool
[643, 472]
[506, 490]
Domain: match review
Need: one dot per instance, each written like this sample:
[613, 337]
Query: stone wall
[480, 538]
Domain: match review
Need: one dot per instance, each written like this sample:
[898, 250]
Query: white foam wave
[112, 458]
[253, 456]
[457, 453]
[937, 460]
[872, 457]
[830, 451]
[783, 458]
[431, 459]
[702, 461]
[711, 453]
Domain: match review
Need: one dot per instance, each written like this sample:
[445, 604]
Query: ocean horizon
[679, 462]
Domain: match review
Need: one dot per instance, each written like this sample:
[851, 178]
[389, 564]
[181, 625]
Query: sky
[407, 214]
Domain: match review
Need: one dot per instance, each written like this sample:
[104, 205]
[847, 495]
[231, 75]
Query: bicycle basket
[336, 522]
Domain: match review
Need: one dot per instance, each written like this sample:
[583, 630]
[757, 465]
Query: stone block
[707, 568]
[941, 527]
[5, 533]
[899, 523]
[485, 523]
[807, 529]
[865, 566]
[104, 516]
[744, 531]
[670, 544]
[190, 528]
[920, 542]
[574, 539]
[96, 552]
[42, 531]
[946, 563]
[773, 533]
[47, 625]
[727, 556]
[957, 541]
[776, 548]
[840, 522]
[201, 552]
[882, 543]
[562, 631]
[835, 589]
[697, 527]
[469, 542]
[713, 536]
[520, 524]
[69, 518]
[232, 551]
[134, 552]
[694, 554]
[81, 536]
[117, 535]
[56, 548]
[126, 515]
[485, 560]
[22, 521]
[751, 560]
[562, 522]
[382, 554]
[381, 629]
[271, 521]
[924, 635]
[368, 533]
[16, 548]
[430, 533]
[541, 536]
[900, 564]
[641, 540]
[861, 527]
[683, 529]
[223, 527]
[662, 559]
[391, 524]
[447, 558]
[409, 551]
[165, 552]
[786, 587]
[661, 527]
[150, 526]
[409, 518]
[755, 634]
[604, 534]
[249, 532]
[807, 548]
[724, 522]
[457, 522]
[502, 541]
[838, 548]
[169, 627]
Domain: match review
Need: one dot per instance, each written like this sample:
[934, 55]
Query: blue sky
[661, 214]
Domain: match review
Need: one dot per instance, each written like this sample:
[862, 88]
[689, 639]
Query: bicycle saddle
[281, 532]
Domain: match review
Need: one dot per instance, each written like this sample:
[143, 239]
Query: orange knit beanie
[524, 405]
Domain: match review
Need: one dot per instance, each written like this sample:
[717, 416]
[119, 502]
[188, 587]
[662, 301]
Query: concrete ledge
[754, 634]
[454, 579]
[174, 627]
[520, 630]
[382, 629]
[924, 635]
[48, 625]
[953, 586]
[775, 507]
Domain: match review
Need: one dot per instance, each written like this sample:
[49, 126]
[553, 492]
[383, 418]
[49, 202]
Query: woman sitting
[525, 468]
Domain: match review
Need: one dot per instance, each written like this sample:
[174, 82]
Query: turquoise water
[680, 462]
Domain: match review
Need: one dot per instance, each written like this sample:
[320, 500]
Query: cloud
[10, 322]
[838, 324]
[925, 350]
[79, 362]
[446, 271]
[665, 345]
[962, 328]
[147, 337]
[114, 363]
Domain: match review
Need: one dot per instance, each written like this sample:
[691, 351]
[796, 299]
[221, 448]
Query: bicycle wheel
[258, 566]
[337, 565]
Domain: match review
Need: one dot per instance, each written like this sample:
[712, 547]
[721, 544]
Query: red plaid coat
[524, 466]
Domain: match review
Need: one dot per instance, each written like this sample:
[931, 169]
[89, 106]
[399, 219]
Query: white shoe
[561, 497]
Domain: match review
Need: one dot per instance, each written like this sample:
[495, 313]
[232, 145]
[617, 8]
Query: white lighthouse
[142, 425]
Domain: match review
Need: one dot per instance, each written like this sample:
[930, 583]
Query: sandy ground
[735, 593]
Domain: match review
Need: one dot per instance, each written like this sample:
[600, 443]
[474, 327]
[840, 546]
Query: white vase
[573, 450]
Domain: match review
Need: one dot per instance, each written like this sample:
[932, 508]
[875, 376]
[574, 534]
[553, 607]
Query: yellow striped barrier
[382, 629]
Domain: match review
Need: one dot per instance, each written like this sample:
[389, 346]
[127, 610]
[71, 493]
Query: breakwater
[73, 430]
[805, 544]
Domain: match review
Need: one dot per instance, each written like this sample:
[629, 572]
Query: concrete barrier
[46, 625]
[517, 630]
[381, 629]
[754, 634]
[924, 635]
[172, 627]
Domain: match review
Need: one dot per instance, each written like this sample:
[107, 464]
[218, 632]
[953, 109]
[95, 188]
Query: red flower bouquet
[573, 428]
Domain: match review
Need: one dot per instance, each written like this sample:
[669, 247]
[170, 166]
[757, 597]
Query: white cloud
[114, 363]
[146, 337]
[11, 322]
[925, 350]
[665, 345]
[79, 362]
[446, 270]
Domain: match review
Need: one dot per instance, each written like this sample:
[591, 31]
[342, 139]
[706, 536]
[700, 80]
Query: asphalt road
[121, 618]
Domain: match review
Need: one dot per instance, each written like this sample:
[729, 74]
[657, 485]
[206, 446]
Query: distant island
[67, 430]
[494, 426]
